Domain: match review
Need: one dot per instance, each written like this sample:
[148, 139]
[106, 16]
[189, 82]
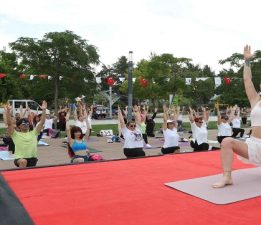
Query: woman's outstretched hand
[247, 53]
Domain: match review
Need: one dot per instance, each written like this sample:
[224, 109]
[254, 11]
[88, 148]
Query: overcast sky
[203, 30]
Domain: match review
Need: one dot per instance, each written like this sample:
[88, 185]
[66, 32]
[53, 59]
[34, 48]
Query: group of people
[228, 128]
[25, 131]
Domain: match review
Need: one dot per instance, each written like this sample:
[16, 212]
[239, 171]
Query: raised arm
[145, 114]
[137, 115]
[205, 116]
[90, 111]
[84, 112]
[68, 128]
[10, 125]
[190, 115]
[120, 119]
[21, 111]
[251, 92]
[155, 113]
[165, 117]
[75, 114]
[218, 114]
[88, 129]
[4, 116]
[43, 117]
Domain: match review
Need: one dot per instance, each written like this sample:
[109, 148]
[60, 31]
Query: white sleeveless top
[255, 115]
[224, 129]
[236, 123]
[200, 134]
[171, 138]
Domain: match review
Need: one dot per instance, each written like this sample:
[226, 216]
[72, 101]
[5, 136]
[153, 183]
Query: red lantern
[22, 76]
[143, 82]
[42, 76]
[227, 80]
[110, 81]
[2, 75]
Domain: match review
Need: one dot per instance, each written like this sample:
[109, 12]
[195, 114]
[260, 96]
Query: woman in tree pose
[251, 149]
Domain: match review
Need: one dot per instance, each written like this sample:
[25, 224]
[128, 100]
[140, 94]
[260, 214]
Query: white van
[34, 106]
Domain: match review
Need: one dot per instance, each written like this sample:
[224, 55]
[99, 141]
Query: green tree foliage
[59, 54]
[9, 86]
[235, 92]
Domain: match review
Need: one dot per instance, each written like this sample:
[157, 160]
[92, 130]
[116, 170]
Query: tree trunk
[56, 99]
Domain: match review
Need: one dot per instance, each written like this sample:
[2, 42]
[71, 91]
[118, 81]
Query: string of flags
[31, 77]
[110, 81]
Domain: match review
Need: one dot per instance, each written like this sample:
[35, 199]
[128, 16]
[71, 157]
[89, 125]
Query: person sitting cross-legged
[25, 140]
[77, 142]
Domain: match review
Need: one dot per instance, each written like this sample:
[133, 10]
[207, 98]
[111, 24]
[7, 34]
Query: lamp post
[110, 101]
[130, 88]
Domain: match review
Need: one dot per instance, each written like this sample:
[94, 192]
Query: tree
[62, 55]
[234, 93]
[164, 76]
[9, 86]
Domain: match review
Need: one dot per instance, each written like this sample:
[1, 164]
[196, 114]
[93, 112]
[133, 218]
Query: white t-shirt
[224, 129]
[236, 123]
[82, 125]
[200, 134]
[133, 139]
[171, 138]
[48, 124]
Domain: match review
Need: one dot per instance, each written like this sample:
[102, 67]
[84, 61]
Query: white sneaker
[148, 146]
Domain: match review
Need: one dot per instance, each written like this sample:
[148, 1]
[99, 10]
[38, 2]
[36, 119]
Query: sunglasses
[132, 125]
[27, 124]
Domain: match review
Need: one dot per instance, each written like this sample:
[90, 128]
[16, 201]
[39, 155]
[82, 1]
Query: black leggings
[196, 147]
[169, 149]
[30, 162]
[133, 152]
[145, 138]
[236, 131]
[220, 138]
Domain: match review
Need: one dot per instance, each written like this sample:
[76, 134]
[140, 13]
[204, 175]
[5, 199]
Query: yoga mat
[247, 184]
[5, 155]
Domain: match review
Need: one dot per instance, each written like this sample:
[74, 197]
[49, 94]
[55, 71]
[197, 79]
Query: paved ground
[56, 153]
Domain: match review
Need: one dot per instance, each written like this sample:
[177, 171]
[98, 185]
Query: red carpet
[127, 192]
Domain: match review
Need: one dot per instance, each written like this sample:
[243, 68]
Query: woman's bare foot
[226, 180]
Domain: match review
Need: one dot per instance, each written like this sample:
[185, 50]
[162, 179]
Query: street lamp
[130, 88]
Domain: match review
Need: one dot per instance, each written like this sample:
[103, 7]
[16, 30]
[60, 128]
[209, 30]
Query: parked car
[100, 112]
[34, 106]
